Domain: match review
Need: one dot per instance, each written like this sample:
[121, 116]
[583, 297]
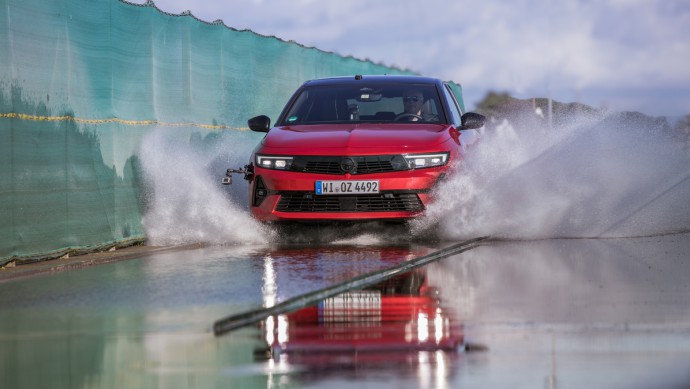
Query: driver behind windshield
[414, 109]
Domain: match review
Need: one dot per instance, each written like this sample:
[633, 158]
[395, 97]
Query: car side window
[453, 105]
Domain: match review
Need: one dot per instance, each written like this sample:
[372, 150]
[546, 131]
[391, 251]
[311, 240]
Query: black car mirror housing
[472, 121]
[261, 123]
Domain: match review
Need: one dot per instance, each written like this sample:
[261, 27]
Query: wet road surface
[611, 313]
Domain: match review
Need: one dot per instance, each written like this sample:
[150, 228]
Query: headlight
[419, 161]
[273, 162]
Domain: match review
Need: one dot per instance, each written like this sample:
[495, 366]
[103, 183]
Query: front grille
[366, 167]
[363, 165]
[385, 202]
[323, 167]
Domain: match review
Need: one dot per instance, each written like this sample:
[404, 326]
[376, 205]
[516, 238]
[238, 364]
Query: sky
[624, 55]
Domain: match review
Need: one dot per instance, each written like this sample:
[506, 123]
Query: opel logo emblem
[347, 165]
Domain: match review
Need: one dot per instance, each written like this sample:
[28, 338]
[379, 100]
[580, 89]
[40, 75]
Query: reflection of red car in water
[401, 314]
[357, 149]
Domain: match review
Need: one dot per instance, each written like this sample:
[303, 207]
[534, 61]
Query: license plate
[361, 306]
[346, 187]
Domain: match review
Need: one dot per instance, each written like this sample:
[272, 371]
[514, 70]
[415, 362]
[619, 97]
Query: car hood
[301, 139]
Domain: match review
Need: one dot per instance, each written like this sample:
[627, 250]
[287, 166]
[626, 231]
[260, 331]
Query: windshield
[362, 103]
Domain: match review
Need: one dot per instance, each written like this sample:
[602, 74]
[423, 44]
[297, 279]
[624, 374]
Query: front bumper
[290, 196]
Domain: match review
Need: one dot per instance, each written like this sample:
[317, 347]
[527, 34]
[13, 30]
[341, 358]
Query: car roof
[393, 79]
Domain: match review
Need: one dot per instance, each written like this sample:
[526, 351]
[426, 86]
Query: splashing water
[612, 176]
[186, 203]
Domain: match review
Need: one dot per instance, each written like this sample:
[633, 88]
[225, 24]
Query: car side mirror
[472, 121]
[261, 123]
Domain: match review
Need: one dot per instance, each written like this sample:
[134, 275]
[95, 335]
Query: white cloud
[597, 50]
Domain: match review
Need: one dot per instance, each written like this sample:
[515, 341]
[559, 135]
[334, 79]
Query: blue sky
[627, 55]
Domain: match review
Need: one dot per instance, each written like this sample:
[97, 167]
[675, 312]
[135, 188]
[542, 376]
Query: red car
[357, 148]
[402, 314]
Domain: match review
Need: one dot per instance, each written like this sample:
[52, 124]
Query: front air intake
[260, 192]
[385, 202]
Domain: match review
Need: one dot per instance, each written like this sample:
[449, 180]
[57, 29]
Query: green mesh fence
[83, 81]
